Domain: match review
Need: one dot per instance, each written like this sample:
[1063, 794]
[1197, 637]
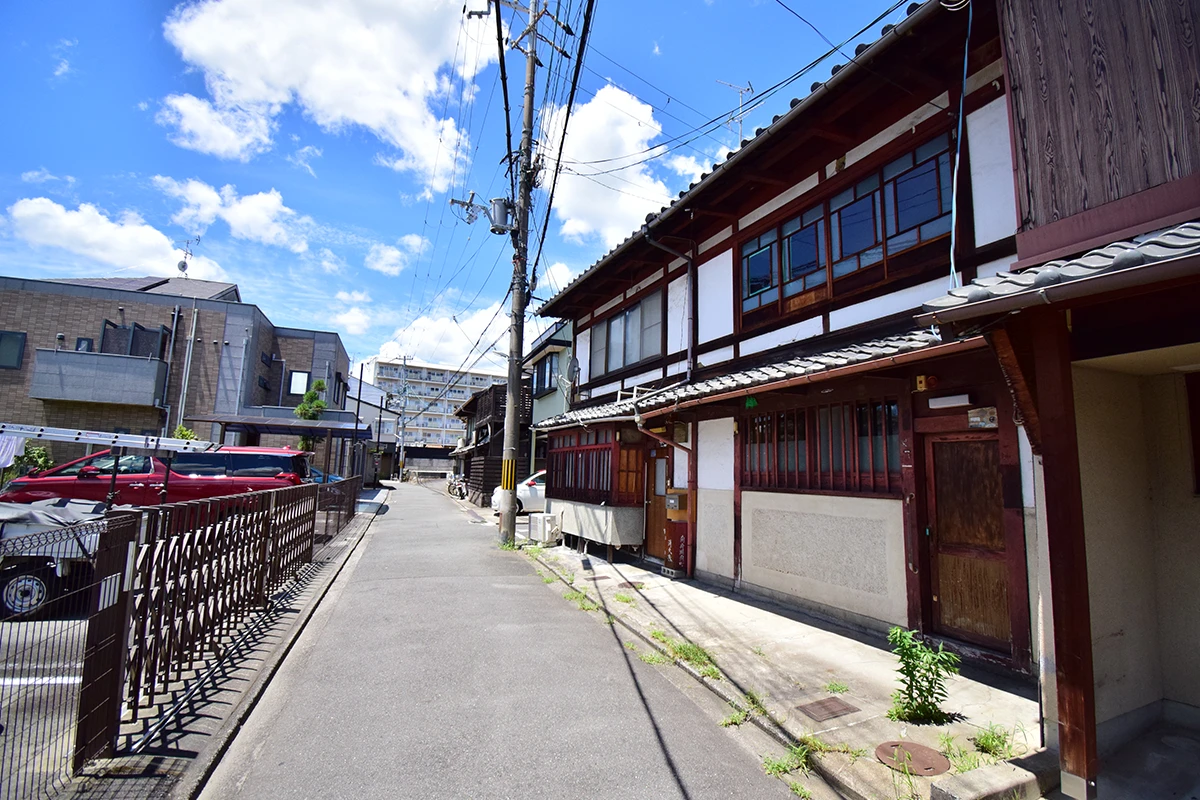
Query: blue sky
[313, 146]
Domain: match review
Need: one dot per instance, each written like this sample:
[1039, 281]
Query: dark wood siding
[1105, 100]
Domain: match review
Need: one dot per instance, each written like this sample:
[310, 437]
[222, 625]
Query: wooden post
[1068, 555]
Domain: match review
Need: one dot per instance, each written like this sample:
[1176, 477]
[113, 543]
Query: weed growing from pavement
[995, 742]
[631, 646]
[623, 598]
[570, 578]
[738, 717]
[582, 600]
[692, 654]
[533, 551]
[758, 651]
[548, 579]
[710, 672]
[922, 674]
[799, 757]
[836, 687]
[799, 790]
[508, 546]
[961, 759]
[654, 657]
[609, 619]
[755, 701]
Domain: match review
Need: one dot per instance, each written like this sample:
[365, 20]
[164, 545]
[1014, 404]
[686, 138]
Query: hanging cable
[962, 99]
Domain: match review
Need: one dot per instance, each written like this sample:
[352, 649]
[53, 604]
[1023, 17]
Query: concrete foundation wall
[621, 525]
[1176, 522]
[714, 526]
[844, 553]
[1115, 479]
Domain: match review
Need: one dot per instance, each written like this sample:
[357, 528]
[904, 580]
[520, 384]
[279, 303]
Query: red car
[194, 476]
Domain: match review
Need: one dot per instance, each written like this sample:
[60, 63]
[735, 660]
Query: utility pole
[403, 409]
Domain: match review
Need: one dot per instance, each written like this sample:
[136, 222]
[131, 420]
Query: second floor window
[545, 375]
[628, 337]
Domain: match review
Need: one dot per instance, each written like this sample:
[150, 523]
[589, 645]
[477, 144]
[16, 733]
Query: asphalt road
[442, 666]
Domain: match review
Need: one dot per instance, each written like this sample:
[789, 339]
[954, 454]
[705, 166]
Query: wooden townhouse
[479, 456]
[1013, 471]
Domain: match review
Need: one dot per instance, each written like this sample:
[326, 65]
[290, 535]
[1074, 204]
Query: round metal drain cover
[916, 759]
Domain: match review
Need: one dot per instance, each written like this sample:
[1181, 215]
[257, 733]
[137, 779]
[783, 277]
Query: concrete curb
[201, 768]
[821, 765]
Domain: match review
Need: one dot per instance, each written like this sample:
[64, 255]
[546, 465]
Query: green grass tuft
[508, 545]
[836, 687]
[738, 717]
[581, 600]
[799, 790]
[623, 598]
[755, 701]
[654, 657]
[631, 645]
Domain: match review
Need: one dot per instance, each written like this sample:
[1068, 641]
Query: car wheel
[520, 507]
[25, 591]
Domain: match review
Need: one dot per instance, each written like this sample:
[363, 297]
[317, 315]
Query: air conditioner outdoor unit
[543, 528]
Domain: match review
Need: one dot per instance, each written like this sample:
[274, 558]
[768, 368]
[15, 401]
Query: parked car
[531, 494]
[317, 476]
[194, 476]
[32, 578]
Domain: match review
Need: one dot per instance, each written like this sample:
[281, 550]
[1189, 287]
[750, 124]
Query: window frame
[601, 346]
[593, 466]
[292, 373]
[845, 446]
[22, 341]
[824, 211]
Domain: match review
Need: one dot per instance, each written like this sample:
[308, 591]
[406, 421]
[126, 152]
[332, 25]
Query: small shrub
[922, 675]
[836, 687]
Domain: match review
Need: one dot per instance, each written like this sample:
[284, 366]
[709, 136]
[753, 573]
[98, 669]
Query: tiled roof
[795, 107]
[1183, 240]
[762, 376]
[183, 287]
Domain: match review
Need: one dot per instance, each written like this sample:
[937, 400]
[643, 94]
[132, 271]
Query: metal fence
[46, 690]
[149, 606]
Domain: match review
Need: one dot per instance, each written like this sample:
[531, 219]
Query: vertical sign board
[102, 690]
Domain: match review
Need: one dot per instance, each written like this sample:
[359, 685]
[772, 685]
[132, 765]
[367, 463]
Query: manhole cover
[628, 585]
[600, 578]
[830, 707]
[913, 758]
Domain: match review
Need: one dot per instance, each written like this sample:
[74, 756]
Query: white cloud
[686, 167]
[260, 217]
[614, 129]
[392, 260]
[656, 51]
[303, 156]
[353, 321]
[354, 297]
[42, 175]
[380, 66]
[126, 243]
[230, 132]
[439, 338]
[330, 261]
[143, 106]
[63, 67]
[558, 275]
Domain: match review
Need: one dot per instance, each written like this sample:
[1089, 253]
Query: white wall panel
[714, 446]
[779, 201]
[792, 333]
[879, 307]
[995, 207]
[714, 279]
[677, 314]
[717, 356]
[583, 351]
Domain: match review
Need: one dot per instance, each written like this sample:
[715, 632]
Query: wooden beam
[711, 212]
[834, 135]
[758, 177]
[1068, 551]
[1019, 385]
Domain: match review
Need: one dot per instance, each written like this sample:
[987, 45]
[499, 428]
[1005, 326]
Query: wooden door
[657, 465]
[968, 566]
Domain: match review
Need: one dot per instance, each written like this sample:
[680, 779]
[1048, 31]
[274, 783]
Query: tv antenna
[747, 89]
[186, 247]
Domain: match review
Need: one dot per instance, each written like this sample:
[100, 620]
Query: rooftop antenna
[182, 266]
[748, 89]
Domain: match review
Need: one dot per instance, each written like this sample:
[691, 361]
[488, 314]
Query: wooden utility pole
[516, 334]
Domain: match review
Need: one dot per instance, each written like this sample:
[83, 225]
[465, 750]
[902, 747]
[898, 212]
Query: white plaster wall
[995, 207]
[678, 367]
[714, 532]
[716, 239]
[786, 335]
[891, 132]
[714, 308]
[1041, 610]
[721, 354]
[1115, 479]
[616, 525]
[876, 308]
[607, 388]
[583, 351]
[779, 201]
[679, 478]
[645, 377]
[644, 283]
[714, 447]
[1176, 515]
[677, 292]
[842, 552]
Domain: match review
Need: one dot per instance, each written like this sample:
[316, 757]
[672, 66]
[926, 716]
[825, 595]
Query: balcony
[98, 378]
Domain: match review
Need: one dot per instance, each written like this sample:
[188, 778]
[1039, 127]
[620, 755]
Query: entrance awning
[286, 426]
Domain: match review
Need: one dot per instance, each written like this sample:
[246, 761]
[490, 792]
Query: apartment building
[428, 395]
[143, 355]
